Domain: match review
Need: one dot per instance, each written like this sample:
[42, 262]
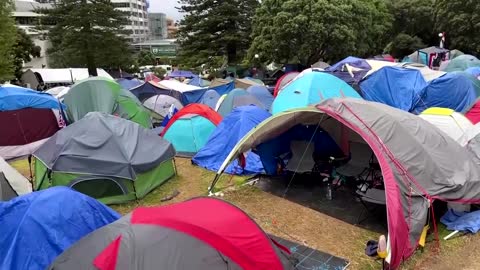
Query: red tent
[284, 80]
[473, 113]
[202, 233]
[198, 109]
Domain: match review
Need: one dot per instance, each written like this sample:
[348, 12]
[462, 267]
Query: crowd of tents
[115, 141]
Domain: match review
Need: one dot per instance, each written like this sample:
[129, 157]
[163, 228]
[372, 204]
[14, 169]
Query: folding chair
[302, 157]
[374, 196]
[360, 155]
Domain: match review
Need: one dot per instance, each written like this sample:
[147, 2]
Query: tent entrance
[99, 186]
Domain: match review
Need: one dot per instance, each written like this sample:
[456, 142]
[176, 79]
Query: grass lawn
[301, 224]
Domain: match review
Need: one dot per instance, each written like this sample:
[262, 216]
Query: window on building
[121, 5]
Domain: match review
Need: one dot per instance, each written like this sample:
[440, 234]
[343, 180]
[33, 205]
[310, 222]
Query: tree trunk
[91, 66]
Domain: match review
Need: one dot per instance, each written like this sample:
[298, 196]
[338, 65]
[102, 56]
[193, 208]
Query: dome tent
[161, 104]
[210, 98]
[31, 117]
[104, 95]
[454, 124]
[105, 157]
[310, 88]
[284, 80]
[189, 128]
[234, 99]
[415, 160]
[228, 133]
[37, 227]
[201, 233]
[262, 94]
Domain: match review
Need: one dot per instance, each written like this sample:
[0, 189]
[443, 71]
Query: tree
[24, 50]
[7, 40]
[460, 20]
[160, 72]
[87, 34]
[146, 58]
[403, 45]
[214, 28]
[305, 31]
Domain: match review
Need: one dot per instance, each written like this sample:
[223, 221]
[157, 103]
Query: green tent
[98, 94]
[462, 62]
[105, 157]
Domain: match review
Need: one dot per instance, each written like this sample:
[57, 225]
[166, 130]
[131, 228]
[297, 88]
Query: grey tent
[12, 183]
[201, 233]
[105, 157]
[161, 104]
[419, 162]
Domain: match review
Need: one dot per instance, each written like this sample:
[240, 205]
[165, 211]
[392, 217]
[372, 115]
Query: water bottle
[329, 192]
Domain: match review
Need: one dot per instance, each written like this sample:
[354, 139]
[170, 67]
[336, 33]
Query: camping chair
[373, 196]
[302, 157]
[360, 156]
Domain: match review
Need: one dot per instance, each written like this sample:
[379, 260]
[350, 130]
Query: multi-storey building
[157, 22]
[137, 18]
[27, 19]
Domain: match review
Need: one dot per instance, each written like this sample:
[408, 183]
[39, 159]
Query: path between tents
[296, 222]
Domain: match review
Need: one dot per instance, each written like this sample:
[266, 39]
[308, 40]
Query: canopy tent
[182, 74]
[473, 112]
[310, 88]
[283, 81]
[210, 98]
[37, 227]
[39, 76]
[461, 63]
[201, 233]
[128, 84]
[189, 129]
[228, 133]
[28, 119]
[396, 87]
[234, 99]
[262, 94]
[105, 157]
[161, 104]
[12, 183]
[454, 124]
[415, 159]
[106, 96]
[453, 90]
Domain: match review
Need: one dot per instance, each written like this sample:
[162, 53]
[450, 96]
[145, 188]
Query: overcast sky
[167, 7]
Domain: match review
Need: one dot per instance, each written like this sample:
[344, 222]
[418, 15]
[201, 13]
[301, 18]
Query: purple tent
[182, 73]
[352, 61]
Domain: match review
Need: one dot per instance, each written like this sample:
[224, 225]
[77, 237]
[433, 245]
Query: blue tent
[128, 84]
[262, 94]
[210, 98]
[394, 86]
[228, 133]
[324, 146]
[352, 61]
[197, 81]
[452, 90]
[37, 227]
[310, 88]
[182, 73]
[474, 71]
[15, 98]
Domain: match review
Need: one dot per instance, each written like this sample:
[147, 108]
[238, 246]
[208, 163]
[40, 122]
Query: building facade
[137, 18]
[27, 19]
[163, 48]
[157, 23]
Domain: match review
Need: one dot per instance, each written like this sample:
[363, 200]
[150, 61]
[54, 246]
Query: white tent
[177, 86]
[452, 123]
[35, 76]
